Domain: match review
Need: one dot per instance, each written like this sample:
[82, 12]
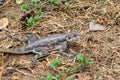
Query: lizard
[42, 46]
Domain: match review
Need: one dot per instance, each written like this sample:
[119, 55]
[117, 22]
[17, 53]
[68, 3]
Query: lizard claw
[34, 60]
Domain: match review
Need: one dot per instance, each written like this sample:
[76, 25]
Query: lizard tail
[11, 51]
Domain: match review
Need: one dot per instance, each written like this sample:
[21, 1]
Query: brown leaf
[19, 1]
[4, 23]
[95, 27]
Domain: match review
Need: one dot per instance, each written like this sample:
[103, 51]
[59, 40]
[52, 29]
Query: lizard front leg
[63, 48]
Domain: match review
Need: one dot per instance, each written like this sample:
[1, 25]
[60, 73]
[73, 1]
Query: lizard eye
[69, 38]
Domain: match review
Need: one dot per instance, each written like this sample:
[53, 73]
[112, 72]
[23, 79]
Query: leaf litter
[102, 46]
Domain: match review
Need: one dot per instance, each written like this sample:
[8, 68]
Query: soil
[101, 46]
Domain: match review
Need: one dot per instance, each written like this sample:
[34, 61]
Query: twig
[5, 4]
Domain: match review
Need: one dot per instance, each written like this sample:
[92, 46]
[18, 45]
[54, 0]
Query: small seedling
[37, 19]
[14, 16]
[41, 79]
[36, 6]
[51, 77]
[55, 1]
[35, 1]
[58, 76]
[26, 7]
[55, 63]
[83, 60]
[40, 13]
[30, 22]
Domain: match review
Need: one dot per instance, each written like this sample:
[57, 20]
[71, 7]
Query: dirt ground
[101, 46]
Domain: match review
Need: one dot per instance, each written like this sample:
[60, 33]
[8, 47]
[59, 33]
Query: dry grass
[102, 46]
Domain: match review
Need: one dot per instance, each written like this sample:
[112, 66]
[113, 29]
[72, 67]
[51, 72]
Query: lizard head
[72, 36]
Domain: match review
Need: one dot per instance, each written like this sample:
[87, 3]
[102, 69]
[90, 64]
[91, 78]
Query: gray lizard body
[42, 46]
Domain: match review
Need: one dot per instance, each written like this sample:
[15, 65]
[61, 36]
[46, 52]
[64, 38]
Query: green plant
[36, 6]
[55, 63]
[83, 60]
[41, 79]
[35, 1]
[40, 13]
[26, 7]
[58, 76]
[55, 1]
[30, 22]
[51, 77]
[14, 16]
[37, 18]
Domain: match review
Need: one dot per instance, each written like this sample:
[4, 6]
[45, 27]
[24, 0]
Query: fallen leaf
[19, 1]
[4, 23]
[94, 27]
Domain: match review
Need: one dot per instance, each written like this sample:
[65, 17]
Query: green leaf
[40, 13]
[58, 61]
[14, 16]
[36, 6]
[58, 76]
[80, 67]
[50, 77]
[89, 61]
[55, 63]
[80, 57]
[30, 22]
[26, 7]
[41, 79]
[56, 1]
[37, 19]
[34, 1]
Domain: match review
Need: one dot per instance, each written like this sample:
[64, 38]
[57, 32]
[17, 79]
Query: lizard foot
[70, 55]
